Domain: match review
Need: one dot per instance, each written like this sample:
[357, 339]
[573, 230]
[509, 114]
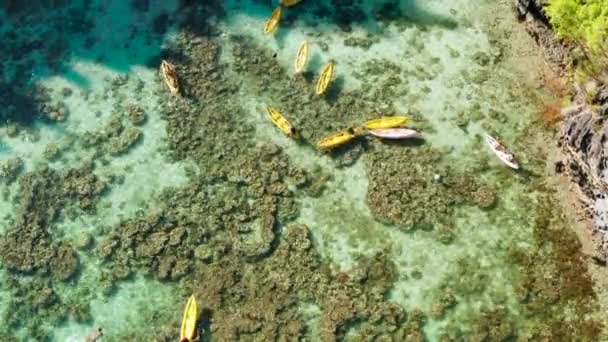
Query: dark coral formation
[403, 195]
[115, 138]
[199, 223]
[28, 247]
[10, 169]
[268, 300]
[24, 101]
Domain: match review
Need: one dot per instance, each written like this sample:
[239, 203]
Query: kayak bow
[188, 331]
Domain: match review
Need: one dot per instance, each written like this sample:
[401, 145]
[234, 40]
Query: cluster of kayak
[385, 127]
[327, 72]
[388, 127]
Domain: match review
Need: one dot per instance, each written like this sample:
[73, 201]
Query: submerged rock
[537, 25]
[10, 169]
[52, 151]
[136, 115]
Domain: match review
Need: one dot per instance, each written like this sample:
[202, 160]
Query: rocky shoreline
[583, 135]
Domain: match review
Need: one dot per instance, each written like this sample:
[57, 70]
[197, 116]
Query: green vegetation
[581, 21]
[584, 22]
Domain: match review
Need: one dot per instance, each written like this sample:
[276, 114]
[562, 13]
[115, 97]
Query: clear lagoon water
[120, 200]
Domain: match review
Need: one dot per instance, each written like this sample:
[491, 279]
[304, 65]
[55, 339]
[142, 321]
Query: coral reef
[411, 196]
[227, 235]
[10, 169]
[553, 273]
[219, 232]
[264, 300]
[52, 151]
[44, 194]
[114, 139]
[28, 247]
[136, 115]
[205, 219]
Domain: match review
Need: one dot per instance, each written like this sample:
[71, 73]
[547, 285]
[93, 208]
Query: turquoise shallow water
[206, 196]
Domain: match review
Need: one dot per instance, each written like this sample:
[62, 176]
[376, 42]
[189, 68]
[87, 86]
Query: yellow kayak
[325, 78]
[281, 122]
[289, 3]
[336, 140]
[386, 122]
[302, 57]
[188, 331]
[273, 22]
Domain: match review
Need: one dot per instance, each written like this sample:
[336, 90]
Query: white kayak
[395, 133]
[501, 152]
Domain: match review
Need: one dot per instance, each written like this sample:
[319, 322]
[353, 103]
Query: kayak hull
[273, 22]
[169, 75]
[395, 133]
[188, 330]
[501, 152]
[335, 140]
[386, 122]
[279, 120]
[325, 78]
[301, 57]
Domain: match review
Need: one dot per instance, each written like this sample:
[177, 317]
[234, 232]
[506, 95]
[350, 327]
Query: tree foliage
[582, 21]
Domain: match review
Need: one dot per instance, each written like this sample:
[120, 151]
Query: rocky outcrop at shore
[584, 139]
[584, 131]
[537, 24]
